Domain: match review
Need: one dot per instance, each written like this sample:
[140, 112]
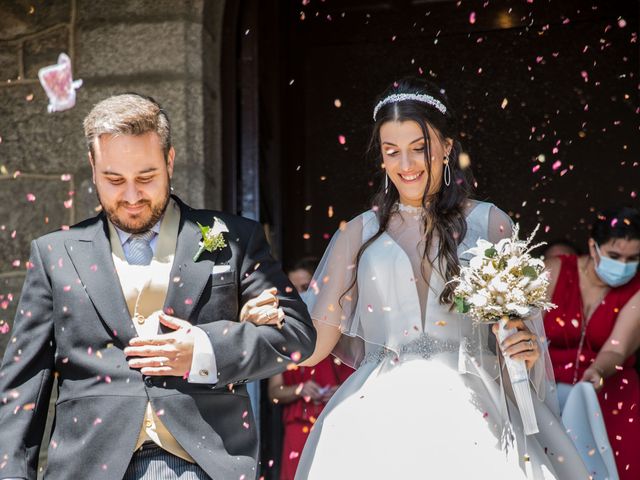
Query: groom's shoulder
[78, 231]
[241, 226]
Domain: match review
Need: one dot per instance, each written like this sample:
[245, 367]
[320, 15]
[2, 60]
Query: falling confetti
[59, 85]
[464, 160]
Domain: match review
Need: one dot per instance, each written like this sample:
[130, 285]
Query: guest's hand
[594, 377]
[263, 310]
[311, 391]
[329, 393]
[169, 354]
[522, 345]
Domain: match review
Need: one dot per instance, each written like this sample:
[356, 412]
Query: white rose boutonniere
[212, 238]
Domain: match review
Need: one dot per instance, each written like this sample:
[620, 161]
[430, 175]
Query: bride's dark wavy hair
[443, 212]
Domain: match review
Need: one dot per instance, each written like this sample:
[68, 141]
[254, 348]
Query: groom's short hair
[127, 114]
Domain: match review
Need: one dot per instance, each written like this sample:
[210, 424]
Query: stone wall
[169, 49]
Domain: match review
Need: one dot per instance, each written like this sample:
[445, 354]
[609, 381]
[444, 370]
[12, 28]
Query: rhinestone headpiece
[403, 97]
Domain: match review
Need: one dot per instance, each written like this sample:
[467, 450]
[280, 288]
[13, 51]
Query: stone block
[30, 206]
[24, 17]
[8, 62]
[86, 200]
[131, 11]
[44, 49]
[34, 140]
[131, 49]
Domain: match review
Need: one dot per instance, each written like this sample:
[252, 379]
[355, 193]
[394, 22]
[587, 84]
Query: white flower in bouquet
[502, 280]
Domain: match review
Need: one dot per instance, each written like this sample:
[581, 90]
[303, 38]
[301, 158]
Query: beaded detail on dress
[425, 346]
[416, 212]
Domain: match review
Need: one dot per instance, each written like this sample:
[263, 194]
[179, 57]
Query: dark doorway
[547, 93]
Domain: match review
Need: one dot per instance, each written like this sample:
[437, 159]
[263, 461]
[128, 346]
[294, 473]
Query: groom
[143, 338]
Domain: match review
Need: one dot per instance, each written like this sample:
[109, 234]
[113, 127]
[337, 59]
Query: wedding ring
[530, 344]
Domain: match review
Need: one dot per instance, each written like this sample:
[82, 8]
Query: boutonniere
[212, 238]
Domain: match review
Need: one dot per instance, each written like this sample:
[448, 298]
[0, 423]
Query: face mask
[614, 272]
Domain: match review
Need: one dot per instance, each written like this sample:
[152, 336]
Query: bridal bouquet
[504, 281]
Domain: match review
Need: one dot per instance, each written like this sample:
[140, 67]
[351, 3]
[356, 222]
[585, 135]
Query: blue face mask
[614, 272]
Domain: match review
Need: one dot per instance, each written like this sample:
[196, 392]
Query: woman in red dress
[594, 332]
[302, 391]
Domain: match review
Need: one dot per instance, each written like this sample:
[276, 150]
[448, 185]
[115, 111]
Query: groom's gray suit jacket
[73, 323]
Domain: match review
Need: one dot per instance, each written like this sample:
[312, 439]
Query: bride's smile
[405, 156]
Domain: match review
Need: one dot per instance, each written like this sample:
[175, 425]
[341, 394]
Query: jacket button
[148, 382]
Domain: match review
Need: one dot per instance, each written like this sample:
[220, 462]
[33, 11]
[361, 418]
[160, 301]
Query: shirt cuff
[203, 364]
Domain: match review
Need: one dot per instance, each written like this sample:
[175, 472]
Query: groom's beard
[143, 221]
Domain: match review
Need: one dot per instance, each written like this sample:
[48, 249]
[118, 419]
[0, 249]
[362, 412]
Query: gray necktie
[140, 252]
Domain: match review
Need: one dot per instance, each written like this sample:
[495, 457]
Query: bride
[427, 399]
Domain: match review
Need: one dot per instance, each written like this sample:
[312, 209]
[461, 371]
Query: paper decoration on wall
[59, 85]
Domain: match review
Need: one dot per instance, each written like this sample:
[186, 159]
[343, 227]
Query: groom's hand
[161, 355]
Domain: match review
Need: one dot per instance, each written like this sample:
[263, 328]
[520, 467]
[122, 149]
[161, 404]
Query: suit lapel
[92, 260]
[188, 278]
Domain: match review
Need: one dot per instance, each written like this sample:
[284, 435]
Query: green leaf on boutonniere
[210, 241]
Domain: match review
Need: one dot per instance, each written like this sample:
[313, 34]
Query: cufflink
[204, 372]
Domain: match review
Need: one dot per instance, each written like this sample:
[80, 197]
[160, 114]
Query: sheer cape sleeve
[332, 296]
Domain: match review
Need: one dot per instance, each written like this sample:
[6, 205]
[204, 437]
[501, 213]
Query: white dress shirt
[203, 364]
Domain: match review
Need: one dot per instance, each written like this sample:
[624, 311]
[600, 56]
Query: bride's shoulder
[477, 209]
[487, 219]
[360, 221]
[359, 226]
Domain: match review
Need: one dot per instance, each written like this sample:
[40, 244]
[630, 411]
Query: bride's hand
[263, 309]
[522, 345]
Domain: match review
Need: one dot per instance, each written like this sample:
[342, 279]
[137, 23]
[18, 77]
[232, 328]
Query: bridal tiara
[403, 97]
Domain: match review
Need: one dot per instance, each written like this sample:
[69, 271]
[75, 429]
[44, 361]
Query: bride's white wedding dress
[425, 401]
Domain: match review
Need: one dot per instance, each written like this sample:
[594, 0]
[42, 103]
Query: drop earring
[447, 171]
[386, 183]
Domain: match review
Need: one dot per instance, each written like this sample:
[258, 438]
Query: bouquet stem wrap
[519, 377]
